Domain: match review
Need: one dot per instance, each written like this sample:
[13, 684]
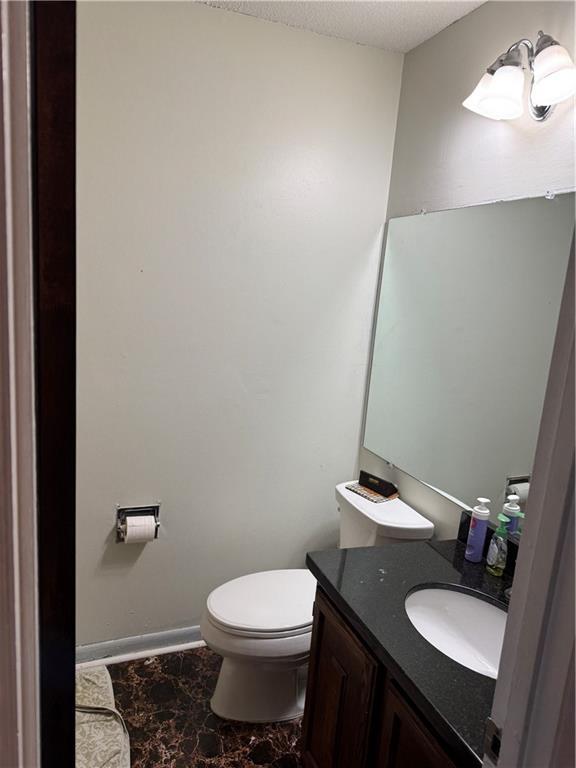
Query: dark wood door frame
[53, 50]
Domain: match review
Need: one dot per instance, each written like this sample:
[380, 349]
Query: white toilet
[261, 624]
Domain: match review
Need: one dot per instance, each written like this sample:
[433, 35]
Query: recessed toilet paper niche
[137, 525]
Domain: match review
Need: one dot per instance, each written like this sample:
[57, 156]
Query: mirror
[467, 314]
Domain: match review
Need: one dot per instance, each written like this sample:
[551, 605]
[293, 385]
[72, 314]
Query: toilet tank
[364, 523]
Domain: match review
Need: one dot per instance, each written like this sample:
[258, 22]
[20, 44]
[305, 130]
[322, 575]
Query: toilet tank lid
[396, 519]
[267, 601]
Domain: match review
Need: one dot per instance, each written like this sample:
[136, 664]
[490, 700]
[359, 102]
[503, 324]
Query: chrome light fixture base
[540, 113]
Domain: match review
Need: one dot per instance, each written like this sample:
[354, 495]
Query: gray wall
[232, 187]
[448, 157]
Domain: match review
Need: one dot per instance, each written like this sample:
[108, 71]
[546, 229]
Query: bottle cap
[481, 510]
[512, 507]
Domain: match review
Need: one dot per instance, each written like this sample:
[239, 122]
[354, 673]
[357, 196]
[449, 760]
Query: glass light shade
[554, 76]
[473, 101]
[503, 99]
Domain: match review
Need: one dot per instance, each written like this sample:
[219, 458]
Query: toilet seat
[264, 605]
[262, 649]
[260, 635]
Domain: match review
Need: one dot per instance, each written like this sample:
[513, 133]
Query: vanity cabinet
[340, 694]
[356, 716]
[405, 742]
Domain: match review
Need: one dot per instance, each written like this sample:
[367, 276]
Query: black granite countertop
[369, 586]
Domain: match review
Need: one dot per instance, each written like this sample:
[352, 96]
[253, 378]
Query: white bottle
[477, 532]
[512, 510]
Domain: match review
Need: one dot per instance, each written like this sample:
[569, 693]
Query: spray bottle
[477, 531]
[498, 549]
[512, 510]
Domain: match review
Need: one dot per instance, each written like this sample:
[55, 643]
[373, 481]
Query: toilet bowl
[261, 624]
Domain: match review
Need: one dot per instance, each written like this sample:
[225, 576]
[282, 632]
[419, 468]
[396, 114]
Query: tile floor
[165, 703]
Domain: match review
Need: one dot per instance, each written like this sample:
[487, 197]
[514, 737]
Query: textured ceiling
[395, 25]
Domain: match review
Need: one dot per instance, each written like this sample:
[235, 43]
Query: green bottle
[498, 549]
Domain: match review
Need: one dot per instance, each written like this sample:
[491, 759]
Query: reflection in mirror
[467, 314]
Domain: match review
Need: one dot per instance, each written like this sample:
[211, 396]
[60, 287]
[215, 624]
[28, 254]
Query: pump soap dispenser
[512, 510]
[477, 532]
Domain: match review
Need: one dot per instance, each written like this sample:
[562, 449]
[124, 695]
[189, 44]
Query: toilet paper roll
[521, 490]
[140, 528]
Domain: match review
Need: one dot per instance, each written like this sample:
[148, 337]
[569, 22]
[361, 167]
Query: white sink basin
[462, 626]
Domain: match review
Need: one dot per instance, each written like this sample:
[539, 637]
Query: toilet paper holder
[515, 480]
[122, 513]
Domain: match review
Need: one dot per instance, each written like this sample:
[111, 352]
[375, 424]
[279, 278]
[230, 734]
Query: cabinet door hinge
[492, 740]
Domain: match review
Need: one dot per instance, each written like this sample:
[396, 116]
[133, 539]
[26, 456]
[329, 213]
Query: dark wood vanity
[357, 715]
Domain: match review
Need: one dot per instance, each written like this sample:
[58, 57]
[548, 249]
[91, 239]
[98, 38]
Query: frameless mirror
[467, 315]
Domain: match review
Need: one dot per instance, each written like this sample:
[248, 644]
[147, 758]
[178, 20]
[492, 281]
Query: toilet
[261, 624]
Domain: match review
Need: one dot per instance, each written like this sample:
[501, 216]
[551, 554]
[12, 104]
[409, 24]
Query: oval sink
[466, 628]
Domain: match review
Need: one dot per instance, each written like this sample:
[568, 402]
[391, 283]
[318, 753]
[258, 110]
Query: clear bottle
[498, 549]
[477, 531]
[512, 510]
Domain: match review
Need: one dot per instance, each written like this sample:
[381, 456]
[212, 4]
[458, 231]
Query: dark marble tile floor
[165, 703]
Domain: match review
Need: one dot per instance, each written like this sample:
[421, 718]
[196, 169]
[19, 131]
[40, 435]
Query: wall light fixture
[499, 94]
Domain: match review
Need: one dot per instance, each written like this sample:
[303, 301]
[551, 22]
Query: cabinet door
[405, 740]
[340, 694]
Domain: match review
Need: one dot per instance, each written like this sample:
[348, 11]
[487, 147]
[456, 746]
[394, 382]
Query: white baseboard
[138, 647]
